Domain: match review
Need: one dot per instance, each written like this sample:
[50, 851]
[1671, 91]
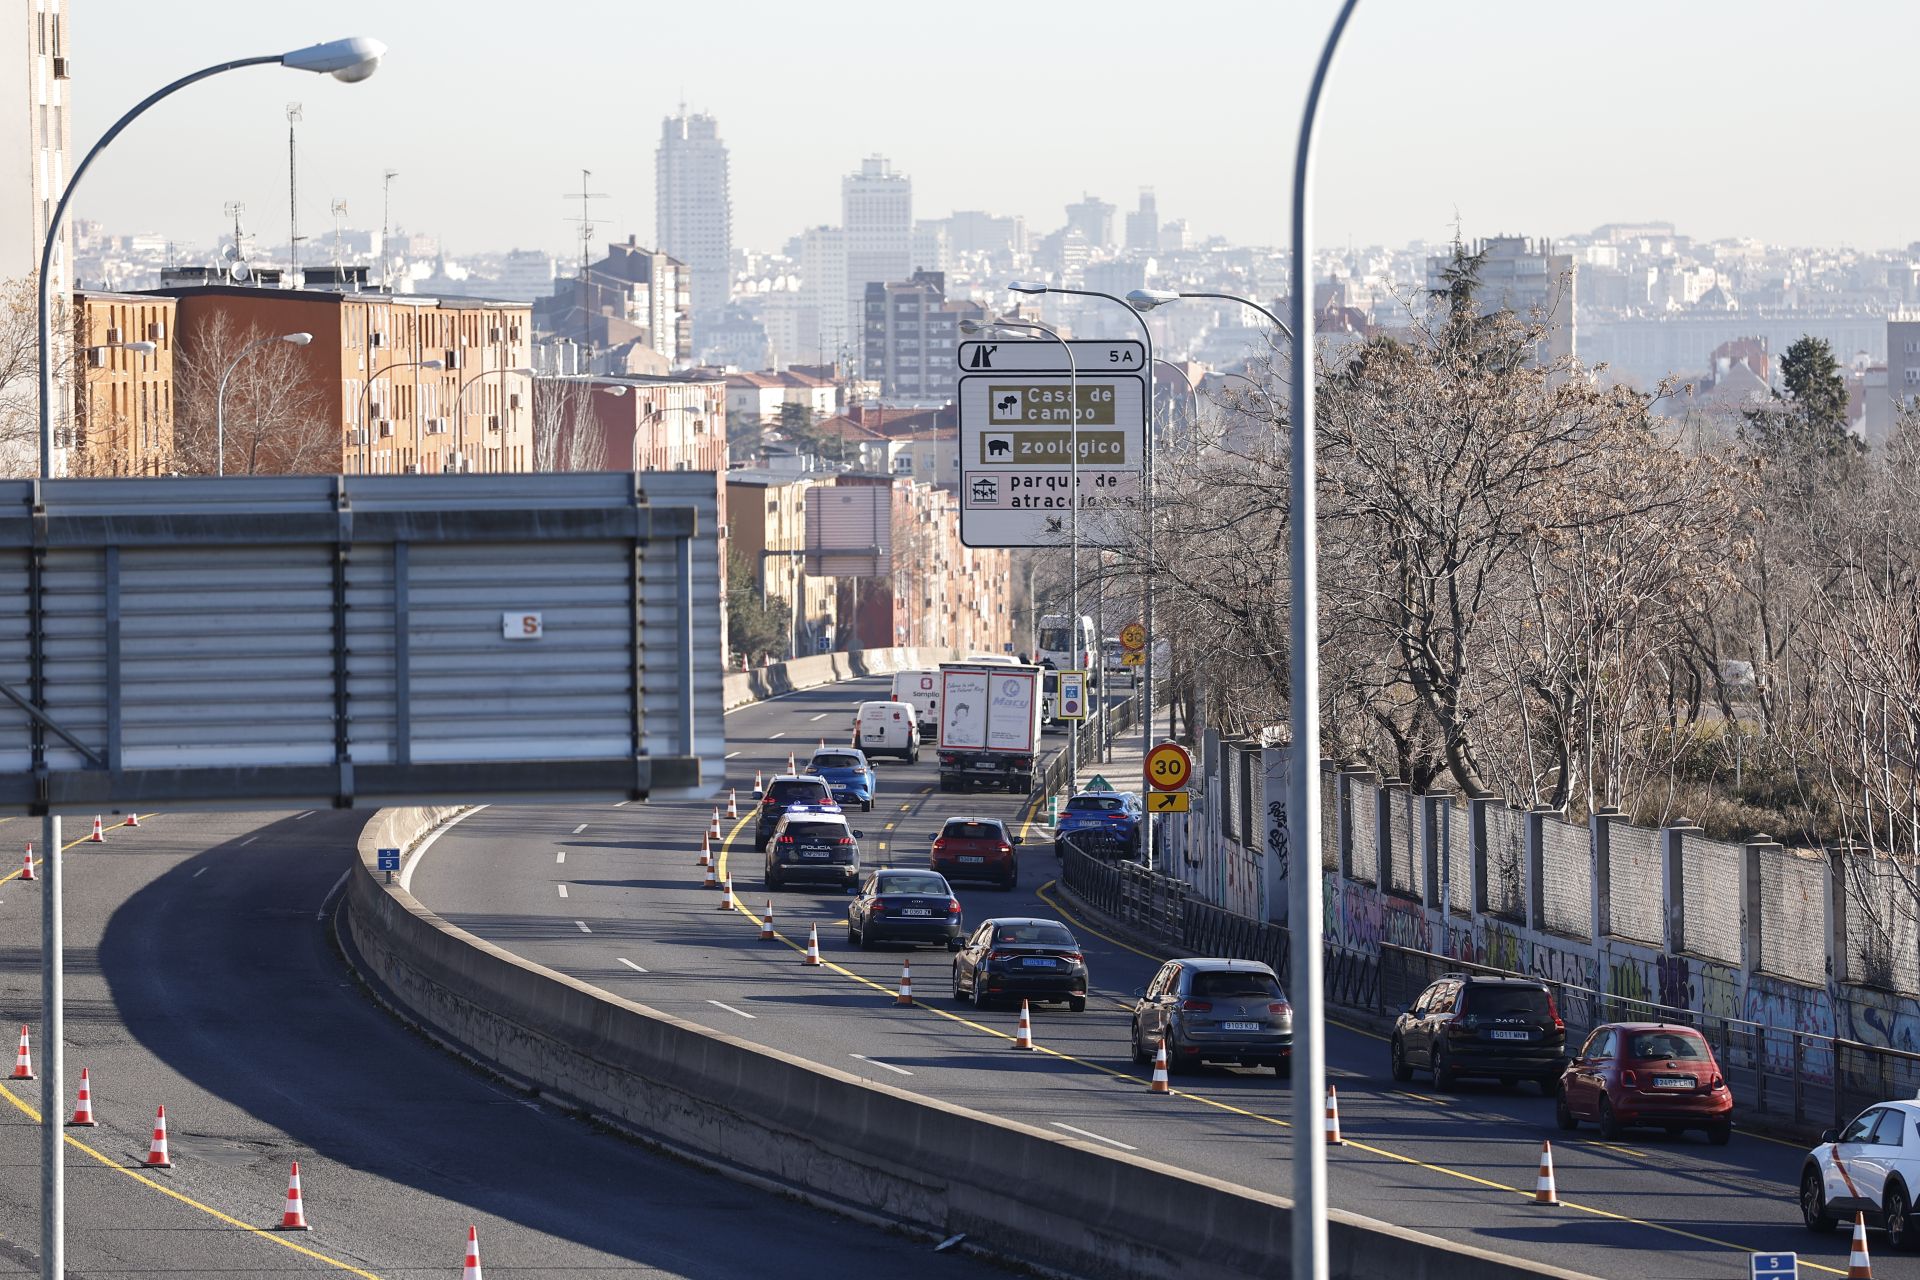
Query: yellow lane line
[107, 1160]
[1420, 1097]
[1625, 1151]
[42, 861]
[890, 826]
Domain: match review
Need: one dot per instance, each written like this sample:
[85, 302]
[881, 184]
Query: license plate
[916, 911]
[813, 853]
[1239, 1026]
[1510, 1035]
[1673, 1082]
[1032, 962]
[971, 857]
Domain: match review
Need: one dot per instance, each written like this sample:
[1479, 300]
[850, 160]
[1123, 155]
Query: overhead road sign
[1017, 457]
[1169, 767]
[1167, 802]
[1090, 356]
[317, 641]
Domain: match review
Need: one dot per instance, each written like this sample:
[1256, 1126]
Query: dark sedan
[905, 906]
[1021, 958]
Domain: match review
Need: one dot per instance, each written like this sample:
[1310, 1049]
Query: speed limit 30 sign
[1169, 767]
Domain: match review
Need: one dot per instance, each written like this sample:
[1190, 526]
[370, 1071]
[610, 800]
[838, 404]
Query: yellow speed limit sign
[1168, 767]
[1133, 637]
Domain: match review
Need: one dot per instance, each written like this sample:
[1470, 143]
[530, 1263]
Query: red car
[1650, 1075]
[976, 849]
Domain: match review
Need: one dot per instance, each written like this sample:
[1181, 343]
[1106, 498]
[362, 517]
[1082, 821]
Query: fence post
[1673, 883]
[1533, 863]
[1393, 796]
[1836, 908]
[1477, 808]
[1752, 913]
[1348, 781]
[1601, 825]
[1434, 811]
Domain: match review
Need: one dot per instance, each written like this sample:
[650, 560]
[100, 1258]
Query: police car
[814, 844]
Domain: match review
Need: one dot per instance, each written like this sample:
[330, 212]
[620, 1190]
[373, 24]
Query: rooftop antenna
[586, 241]
[386, 222]
[293, 198]
[236, 254]
[339, 214]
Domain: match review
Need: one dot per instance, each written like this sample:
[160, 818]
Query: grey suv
[1214, 1010]
[1471, 1025]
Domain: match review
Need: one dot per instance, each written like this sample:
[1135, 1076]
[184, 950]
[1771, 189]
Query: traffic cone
[83, 1105]
[1859, 1266]
[1333, 1121]
[813, 944]
[26, 869]
[157, 1152]
[733, 803]
[759, 783]
[1543, 1192]
[823, 744]
[766, 923]
[1160, 1083]
[1023, 1038]
[713, 828]
[293, 1218]
[906, 983]
[726, 895]
[133, 819]
[472, 1270]
[791, 766]
[23, 1060]
[98, 836]
[706, 853]
[712, 881]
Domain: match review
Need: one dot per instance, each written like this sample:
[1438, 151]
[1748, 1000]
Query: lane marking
[561, 856]
[433, 837]
[875, 1062]
[889, 826]
[1625, 1151]
[582, 926]
[781, 734]
[1417, 1097]
[189, 1201]
[196, 875]
[620, 804]
[731, 754]
[562, 888]
[249, 840]
[1112, 1142]
[821, 716]
[630, 964]
[71, 844]
[582, 827]
[307, 814]
[730, 1009]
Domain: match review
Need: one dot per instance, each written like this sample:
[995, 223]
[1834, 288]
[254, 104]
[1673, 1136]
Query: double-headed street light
[460, 439]
[220, 393]
[350, 60]
[366, 401]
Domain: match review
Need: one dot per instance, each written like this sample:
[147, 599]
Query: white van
[997, 659]
[920, 689]
[887, 729]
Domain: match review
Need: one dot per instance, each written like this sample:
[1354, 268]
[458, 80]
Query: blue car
[845, 770]
[1104, 824]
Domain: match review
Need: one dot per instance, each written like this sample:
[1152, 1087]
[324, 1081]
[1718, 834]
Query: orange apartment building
[123, 399]
[384, 410]
[662, 423]
[943, 594]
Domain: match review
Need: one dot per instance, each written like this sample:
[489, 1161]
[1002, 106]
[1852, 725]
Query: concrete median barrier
[759, 683]
[870, 1150]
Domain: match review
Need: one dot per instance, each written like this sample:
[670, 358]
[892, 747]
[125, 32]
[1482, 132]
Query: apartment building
[694, 208]
[876, 208]
[661, 423]
[767, 525]
[1527, 277]
[911, 332]
[36, 126]
[634, 297]
[123, 399]
[760, 396]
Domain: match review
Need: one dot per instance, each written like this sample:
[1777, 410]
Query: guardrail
[1061, 769]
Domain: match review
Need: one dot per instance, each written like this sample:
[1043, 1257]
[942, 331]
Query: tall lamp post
[220, 393]
[352, 59]
[1073, 517]
[1305, 924]
[366, 401]
[1146, 484]
[459, 397]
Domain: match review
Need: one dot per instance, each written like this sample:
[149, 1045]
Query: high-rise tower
[694, 211]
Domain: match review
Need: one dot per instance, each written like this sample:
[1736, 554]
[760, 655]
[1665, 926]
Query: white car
[884, 728]
[1873, 1167]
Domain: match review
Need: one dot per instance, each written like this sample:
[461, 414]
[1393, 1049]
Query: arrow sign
[1167, 802]
[1024, 356]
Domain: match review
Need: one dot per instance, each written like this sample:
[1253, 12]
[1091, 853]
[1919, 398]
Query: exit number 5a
[520, 626]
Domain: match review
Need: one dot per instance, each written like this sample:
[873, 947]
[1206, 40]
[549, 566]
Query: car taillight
[1006, 848]
[1629, 1081]
[844, 840]
[881, 904]
[953, 906]
[784, 840]
[999, 955]
[1718, 1083]
[1073, 957]
[1280, 1007]
[1197, 1006]
[769, 801]
[1457, 1026]
[939, 843]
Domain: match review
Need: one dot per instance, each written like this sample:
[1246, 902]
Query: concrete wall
[829, 1137]
[808, 673]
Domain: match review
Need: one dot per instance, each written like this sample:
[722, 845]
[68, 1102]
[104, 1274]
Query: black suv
[1468, 1025]
[813, 843]
[783, 792]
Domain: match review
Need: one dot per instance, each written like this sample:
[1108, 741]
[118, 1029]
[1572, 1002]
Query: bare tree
[20, 372]
[567, 435]
[276, 418]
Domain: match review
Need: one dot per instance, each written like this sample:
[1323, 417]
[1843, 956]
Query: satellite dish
[240, 272]
[230, 252]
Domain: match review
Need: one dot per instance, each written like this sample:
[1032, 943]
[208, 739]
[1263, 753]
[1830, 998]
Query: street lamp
[460, 442]
[1073, 518]
[659, 415]
[366, 400]
[350, 60]
[1148, 299]
[220, 394]
[1146, 575]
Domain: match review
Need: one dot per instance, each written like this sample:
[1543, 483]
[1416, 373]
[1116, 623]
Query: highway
[202, 977]
[611, 895]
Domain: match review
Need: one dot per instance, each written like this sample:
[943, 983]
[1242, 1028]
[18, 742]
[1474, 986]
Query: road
[201, 977]
[612, 896]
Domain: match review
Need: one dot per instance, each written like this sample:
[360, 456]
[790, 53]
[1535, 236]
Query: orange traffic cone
[706, 853]
[766, 923]
[712, 881]
[472, 1270]
[813, 944]
[726, 895]
[1160, 1083]
[23, 1060]
[1859, 1266]
[823, 744]
[133, 819]
[83, 1105]
[1543, 1192]
[791, 766]
[26, 868]
[98, 836]
[713, 828]
[1023, 1038]
[733, 803]
[759, 783]
[1333, 1120]
[906, 983]
[157, 1152]
[293, 1218]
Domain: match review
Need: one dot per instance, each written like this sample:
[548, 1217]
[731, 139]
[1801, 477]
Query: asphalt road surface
[611, 895]
[201, 977]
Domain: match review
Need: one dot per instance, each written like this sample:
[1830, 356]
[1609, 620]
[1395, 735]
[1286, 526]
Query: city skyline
[794, 129]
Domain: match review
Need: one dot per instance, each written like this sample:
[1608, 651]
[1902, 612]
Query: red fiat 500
[1649, 1075]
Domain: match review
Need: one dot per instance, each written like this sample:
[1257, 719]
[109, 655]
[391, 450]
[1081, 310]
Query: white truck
[989, 725]
[1065, 647]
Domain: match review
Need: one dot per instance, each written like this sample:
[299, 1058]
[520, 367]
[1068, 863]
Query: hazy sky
[1729, 117]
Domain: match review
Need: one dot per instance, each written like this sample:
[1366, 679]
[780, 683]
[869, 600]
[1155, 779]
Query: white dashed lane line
[821, 716]
[582, 926]
[582, 827]
[732, 754]
[885, 1066]
[562, 888]
[630, 964]
[1094, 1136]
[730, 1009]
[561, 856]
[772, 736]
